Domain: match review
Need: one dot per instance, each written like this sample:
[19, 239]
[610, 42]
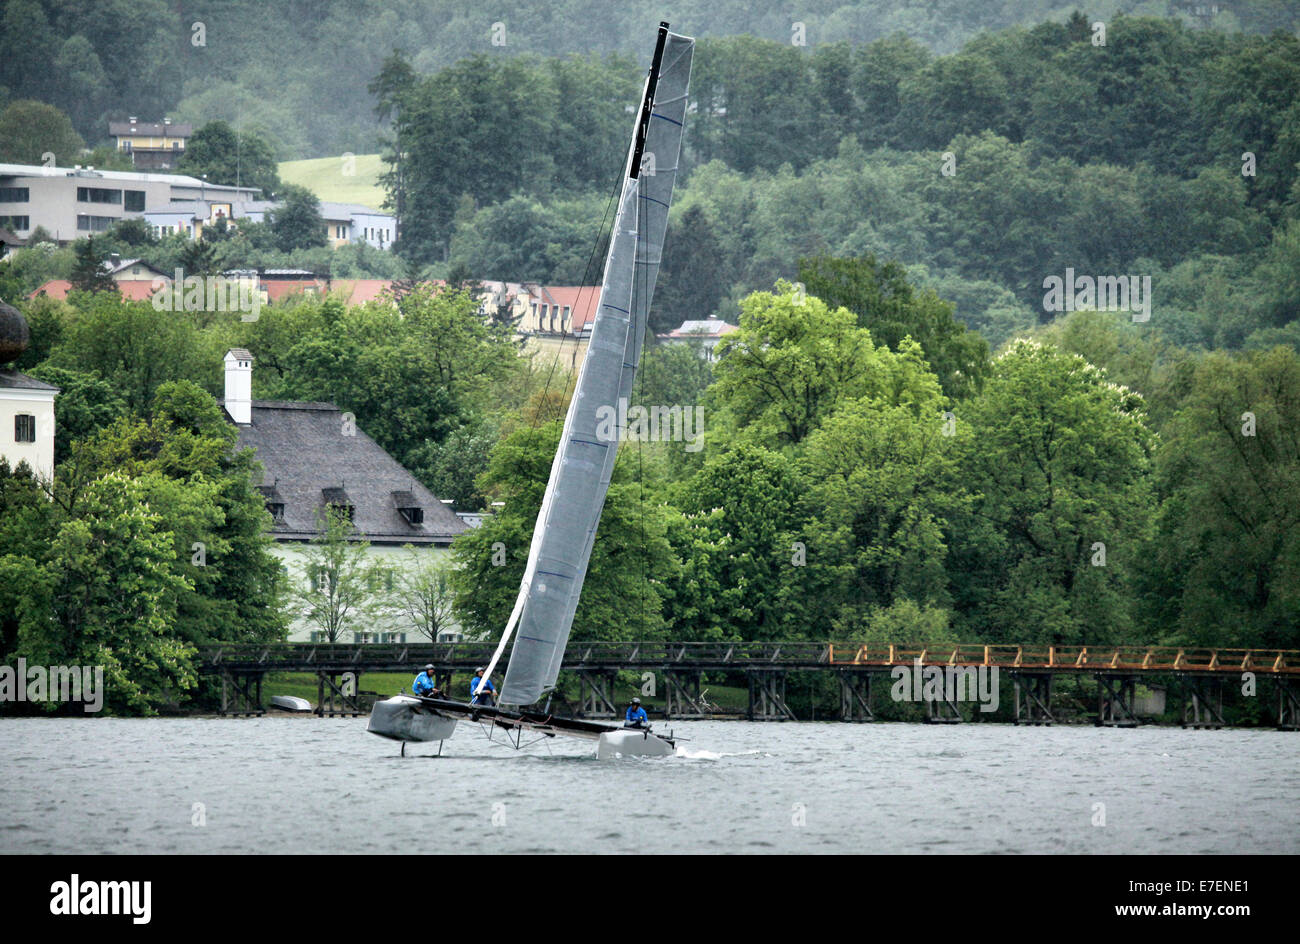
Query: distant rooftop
[11, 379]
[177, 180]
[309, 461]
[152, 129]
[709, 327]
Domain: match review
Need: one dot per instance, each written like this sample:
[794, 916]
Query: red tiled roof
[360, 291]
[135, 290]
[581, 299]
[277, 289]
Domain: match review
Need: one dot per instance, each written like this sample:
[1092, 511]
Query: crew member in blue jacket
[423, 684]
[481, 690]
[636, 716]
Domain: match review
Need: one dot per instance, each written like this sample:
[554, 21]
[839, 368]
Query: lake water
[325, 786]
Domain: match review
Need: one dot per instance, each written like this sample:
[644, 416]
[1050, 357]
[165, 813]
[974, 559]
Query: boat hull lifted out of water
[416, 718]
[408, 718]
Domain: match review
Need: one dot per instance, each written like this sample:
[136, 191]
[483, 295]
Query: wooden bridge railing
[1074, 658]
[757, 655]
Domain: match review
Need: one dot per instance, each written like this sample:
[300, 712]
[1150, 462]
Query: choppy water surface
[325, 786]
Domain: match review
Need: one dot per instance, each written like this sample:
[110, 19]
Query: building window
[16, 223]
[25, 428]
[98, 195]
[15, 195]
[276, 509]
[94, 224]
[134, 201]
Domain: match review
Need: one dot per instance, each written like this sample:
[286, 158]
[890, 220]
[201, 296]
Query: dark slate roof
[152, 129]
[15, 381]
[307, 461]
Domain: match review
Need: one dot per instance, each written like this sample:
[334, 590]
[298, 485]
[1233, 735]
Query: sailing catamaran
[565, 531]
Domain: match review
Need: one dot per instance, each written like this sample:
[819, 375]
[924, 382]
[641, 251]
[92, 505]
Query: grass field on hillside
[325, 177]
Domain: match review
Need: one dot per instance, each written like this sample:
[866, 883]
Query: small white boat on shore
[290, 703]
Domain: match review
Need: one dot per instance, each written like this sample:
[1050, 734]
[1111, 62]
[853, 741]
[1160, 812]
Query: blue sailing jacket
[636, 714]
[477, 685]
[423, 684]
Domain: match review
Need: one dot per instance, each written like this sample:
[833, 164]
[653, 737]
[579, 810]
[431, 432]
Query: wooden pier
[864, 675]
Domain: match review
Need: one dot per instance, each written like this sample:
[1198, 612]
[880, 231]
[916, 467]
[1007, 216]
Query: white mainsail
[580, 475]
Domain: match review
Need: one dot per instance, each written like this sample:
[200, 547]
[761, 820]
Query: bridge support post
[333, 700]
[767, 696]
[1115, 698]
[942, 711]
[596, 689]
[1033, 698]
[1288, 706]
[241, 693]
[682, 695]
[1202, 701]
[855, 696]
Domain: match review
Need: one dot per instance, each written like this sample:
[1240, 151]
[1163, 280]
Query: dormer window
[337, 500]
[274, 502]
[408, 508]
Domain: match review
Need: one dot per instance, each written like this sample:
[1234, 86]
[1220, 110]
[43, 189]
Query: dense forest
[1169, 152]
[297, 70]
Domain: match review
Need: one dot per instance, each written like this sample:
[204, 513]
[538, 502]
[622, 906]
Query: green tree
[29, 130]
[794, 360]
[85, 404]
[689, 286]
[88, 272]
[883, 485]
[199, 258]
[136, 348]
[736, 544]
[226, 156]
[103, 592]
[424, 593]
[1058, 460]
[1223, 564]
[338, 592]
[889, 307]
[296, 223]
[183, 455]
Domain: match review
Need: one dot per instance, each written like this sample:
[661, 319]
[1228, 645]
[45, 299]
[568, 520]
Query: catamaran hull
[404, 718]
[632, 743]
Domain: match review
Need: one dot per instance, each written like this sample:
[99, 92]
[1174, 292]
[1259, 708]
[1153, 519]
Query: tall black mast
[648, 102]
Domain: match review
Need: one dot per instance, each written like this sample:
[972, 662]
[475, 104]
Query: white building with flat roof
[72, 202]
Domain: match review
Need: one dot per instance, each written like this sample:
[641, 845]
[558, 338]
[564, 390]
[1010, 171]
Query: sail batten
[567, 521]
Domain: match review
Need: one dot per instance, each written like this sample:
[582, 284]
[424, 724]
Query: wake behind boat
[584, 461]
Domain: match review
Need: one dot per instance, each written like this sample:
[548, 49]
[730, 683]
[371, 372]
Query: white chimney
[239, 385]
